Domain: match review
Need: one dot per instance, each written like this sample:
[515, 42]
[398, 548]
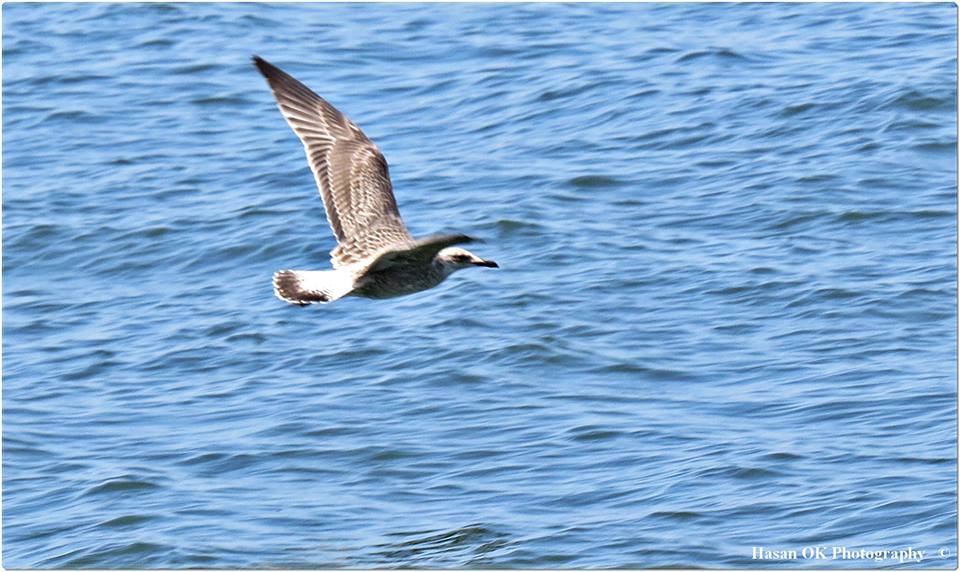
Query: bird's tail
[304, 287]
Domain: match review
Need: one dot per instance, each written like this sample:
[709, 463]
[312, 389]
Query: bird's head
[453, 259]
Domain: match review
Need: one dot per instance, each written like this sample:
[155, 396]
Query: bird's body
[399, 281]
[376, 257]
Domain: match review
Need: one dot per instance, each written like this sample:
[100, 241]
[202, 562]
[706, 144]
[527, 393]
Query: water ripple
[725, 315]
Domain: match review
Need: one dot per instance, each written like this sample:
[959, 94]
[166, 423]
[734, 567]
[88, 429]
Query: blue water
[725, 316]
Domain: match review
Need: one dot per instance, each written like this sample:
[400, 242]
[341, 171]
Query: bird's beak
[487, 263]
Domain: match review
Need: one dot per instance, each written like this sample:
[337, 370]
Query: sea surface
[725, 316]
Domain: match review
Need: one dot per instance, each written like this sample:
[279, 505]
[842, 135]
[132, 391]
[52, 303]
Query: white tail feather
[304, 287]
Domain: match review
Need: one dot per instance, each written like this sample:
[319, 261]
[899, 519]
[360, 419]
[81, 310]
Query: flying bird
[375, 256]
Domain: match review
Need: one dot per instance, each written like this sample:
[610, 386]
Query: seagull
[375, 257]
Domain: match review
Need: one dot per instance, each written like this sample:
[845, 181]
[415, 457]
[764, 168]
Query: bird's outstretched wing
[419, 253]
[350, 171]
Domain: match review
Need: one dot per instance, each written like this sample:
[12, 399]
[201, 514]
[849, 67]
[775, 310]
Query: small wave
[594, 433]
[681, 515]
[157, 43]
[797, 109]
[195, 68]
[550, 95]
[121, 485]
[863, 215]
[661, 50]
[221, 100]
[723, 54]
[644, 93]
[782, 456]
[204, 458]
[745, 473]
[443, 546]
[127, 521]
[119, 556]
[797, 219]
[91, 371]
[594, 181]
[222, 463]
[937, 147]
[74, 116]
[913, 100]
[649, 372]
[511, 226]
[254, 338]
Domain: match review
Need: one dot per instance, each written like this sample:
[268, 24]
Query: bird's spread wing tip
[263, 66]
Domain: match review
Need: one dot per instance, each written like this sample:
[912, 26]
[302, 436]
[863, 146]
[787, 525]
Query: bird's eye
[461, 258]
